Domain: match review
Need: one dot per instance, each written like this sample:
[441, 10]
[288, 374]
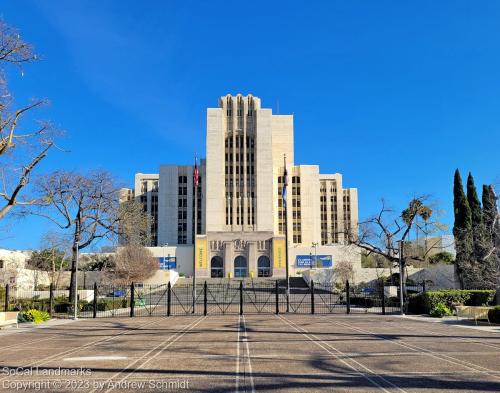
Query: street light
[315, 245]
[168, 263]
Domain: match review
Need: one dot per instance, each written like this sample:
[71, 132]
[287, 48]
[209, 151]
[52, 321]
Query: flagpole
[285, 180]
[195, 180]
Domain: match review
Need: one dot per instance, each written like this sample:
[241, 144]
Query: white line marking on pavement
[320, 343]
[439, 356]
[452, 337]
[237, 382]
[97, 358]
[90, 344]
[245, 339]
[166, 341]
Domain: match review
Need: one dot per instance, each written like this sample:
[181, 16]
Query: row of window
[240, 170]
[238, 142]
[144, 186]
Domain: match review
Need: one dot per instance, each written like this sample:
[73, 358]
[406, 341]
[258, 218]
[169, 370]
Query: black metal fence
[229, 297]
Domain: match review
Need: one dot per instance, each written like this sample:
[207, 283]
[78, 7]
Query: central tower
[240, 164]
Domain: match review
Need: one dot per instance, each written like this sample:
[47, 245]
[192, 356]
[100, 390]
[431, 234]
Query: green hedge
[423, 303]
[105, 304]
[494, 315]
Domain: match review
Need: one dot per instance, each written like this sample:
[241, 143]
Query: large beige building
[241, 214]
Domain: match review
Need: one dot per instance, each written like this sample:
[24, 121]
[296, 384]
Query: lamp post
[315, 245]
[75, 300]
[168, 264]
[401, 278]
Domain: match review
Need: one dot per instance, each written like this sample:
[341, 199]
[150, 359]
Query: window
[240, 266]
[217, 267]
[263, 267]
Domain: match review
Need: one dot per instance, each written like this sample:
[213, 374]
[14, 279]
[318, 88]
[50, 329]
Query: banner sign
[167, 263]
[201, 253]
[308, 261]
[279, 253]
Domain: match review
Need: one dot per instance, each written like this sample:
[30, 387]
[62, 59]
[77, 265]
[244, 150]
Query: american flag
[195, 174]
[285, 184]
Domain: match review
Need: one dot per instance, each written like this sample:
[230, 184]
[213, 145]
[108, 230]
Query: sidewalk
[30, 326]
[454, 321]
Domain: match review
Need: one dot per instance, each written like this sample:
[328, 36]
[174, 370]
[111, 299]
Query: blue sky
[402, 92]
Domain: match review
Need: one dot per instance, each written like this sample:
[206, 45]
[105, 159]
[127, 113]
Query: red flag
[195, 174]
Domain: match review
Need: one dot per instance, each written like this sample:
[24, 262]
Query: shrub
[440, 310]
[494, 314]
[423, 303]
[33, 316]
[443, 257]
[361, 301]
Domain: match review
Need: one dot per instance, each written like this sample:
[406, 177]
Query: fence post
[277, 297]
[132, 299]
[205, 298]
[51, 299]
[383, 300]
[169, 298]
[150, 303]
[6, 305]
[241, 297]
[312, 297]
[347, 297]
[94, 308]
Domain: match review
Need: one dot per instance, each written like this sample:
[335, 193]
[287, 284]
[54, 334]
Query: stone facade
[241, 210]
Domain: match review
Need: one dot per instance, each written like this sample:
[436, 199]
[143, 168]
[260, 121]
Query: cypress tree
[478, 229]
[462, 231]
[490, 210]
[491, 219]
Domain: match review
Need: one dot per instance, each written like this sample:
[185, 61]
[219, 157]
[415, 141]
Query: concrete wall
[214, 196]
[167, 204]
[265, 181]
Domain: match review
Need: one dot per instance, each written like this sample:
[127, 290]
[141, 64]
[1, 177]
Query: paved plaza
[262, 353]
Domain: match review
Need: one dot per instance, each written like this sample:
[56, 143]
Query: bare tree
[132, 263]
[21, 150]
[383, 233]
[58, 247]
[87, 206]
[344, 270]
[134, 228]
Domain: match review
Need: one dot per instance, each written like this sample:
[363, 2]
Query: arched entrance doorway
[263, 267]
[240, 266]
[216, 267]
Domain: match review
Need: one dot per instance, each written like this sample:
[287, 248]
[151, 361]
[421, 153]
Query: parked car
[117, 293]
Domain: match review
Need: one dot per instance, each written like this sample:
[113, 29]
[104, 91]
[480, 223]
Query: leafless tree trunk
[85, 205]
[21, 151]
[382, 233]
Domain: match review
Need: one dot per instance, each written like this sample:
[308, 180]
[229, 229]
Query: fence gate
[227, 297]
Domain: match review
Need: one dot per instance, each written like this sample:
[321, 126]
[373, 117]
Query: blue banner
[308, 261]
[167, 263]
